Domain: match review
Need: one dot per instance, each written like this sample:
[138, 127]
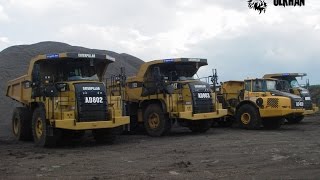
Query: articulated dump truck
[164, 91]
[290, 84]
[64, 93]
[254, 103]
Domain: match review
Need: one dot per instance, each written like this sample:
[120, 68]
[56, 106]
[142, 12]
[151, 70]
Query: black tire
[105, 136]
[272, 123]
[295, 119]
[200, 126]
[40, 129]
[155, 121]
[248, 117]
[21, 124]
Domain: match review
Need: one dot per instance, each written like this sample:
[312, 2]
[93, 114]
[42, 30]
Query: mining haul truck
[254, 103]
[291, 85]
[64, 93]
[164, 91]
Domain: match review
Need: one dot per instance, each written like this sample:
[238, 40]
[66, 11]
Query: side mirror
[61, 87]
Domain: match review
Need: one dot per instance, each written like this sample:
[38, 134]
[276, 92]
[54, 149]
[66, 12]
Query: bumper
[314, 110]
[280, 112]
[201, 116]
[73, 125]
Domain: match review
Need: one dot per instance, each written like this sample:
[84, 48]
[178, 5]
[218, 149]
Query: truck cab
[293, 86]
[65, 92]
[165, 91]
[257, 102]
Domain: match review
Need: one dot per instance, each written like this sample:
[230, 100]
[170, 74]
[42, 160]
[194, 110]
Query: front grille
[296, 103]
[273, 102]
[308, 104]
[91, 102]
[201, 97]
[202, 105]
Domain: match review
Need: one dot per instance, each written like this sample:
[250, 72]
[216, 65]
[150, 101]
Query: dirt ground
[293, 152]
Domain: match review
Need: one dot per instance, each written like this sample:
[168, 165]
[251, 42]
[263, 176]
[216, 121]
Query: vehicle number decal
[91, 100]
[299, 104]
[203, 95]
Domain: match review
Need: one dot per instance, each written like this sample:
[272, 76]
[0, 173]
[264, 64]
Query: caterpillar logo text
[86, 55]
[91, 88]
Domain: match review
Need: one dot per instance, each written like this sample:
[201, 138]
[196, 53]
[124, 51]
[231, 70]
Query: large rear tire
[155, 121]
[295, 119]
[248, 117]
[201, 126]
[40, 129]
[21, 124]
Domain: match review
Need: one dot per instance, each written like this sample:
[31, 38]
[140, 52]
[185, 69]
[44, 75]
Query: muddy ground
[293, 152]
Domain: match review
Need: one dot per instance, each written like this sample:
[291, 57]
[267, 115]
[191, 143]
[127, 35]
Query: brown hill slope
[14, 62]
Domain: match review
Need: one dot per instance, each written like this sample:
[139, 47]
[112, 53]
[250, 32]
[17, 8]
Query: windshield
[294, 83]
[71, 69]
[78, 74]
[176, 71]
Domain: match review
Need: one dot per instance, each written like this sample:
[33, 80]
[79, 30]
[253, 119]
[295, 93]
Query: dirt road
[293, 152]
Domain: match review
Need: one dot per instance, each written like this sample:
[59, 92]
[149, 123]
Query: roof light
[52, 56]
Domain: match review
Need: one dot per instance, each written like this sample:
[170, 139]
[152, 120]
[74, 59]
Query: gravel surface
[292, 152]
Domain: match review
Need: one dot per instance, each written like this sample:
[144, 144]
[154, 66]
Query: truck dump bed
[16, 89]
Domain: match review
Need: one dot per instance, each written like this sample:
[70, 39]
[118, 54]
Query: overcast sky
[236, 40]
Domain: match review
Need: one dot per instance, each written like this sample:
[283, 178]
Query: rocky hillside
[14, 62]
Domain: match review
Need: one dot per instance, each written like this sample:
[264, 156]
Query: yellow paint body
[295, 90]
[178, 105]
[61, 111]
[235, 93]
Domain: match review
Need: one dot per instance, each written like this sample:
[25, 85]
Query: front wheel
[156, 122]
[43, 134]
[248, 117]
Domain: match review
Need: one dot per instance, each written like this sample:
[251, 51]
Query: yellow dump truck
[64, 92]
[254, 103]
[164, 91]
[291, 85]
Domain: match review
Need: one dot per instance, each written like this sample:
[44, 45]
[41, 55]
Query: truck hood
[285, 94]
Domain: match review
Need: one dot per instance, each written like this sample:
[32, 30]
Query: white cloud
[233, 37]
[3, 16]
[4, 42]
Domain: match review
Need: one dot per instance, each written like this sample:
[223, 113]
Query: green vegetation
[315, 93]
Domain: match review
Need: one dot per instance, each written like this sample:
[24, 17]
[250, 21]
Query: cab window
[248, 85]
